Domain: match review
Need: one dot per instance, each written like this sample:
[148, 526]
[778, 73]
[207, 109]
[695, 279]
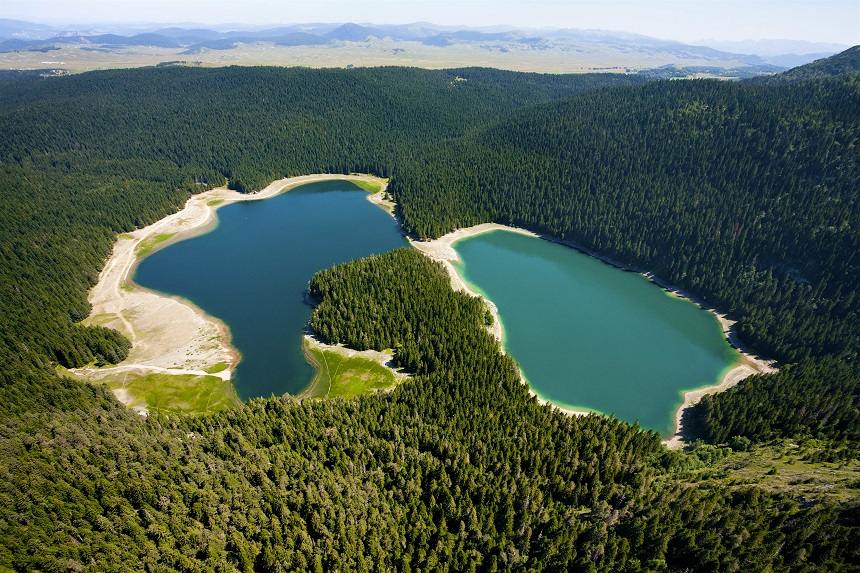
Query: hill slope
[847, 62]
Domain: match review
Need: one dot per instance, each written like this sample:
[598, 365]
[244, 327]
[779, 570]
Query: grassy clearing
[214, 202]
[215, 368]
[340, 376]
[102, 319]
[174, 392]
[369, 186]
[125, 236]
[146, 246]
[785, 467]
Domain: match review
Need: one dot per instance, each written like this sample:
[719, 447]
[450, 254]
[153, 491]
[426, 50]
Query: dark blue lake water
[252, 272]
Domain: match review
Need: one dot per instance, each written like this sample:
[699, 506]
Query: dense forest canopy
[696, 181]
[745, 194]
[457, 470]
[103, 153]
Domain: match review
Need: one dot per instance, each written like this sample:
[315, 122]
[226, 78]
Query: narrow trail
[124, 367]
[328, 375]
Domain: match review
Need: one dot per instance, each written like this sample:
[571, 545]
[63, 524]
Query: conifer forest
[744, 193]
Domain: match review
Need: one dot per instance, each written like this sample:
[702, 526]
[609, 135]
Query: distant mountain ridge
[766, 48]
[847, 62]
[16, 35]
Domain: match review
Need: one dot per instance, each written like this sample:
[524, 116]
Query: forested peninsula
[744, 193]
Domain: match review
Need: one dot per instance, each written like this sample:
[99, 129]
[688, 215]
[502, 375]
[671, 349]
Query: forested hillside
[846, 62]
[86, 157]
[744, 194]
[696, 181]
[457, 470]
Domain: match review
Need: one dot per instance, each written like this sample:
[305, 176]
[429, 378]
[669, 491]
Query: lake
[590, 336]
[252, 272]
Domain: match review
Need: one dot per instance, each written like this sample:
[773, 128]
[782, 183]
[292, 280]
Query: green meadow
[369, 186]
[147, 245]
[340, 376]
[187, 393]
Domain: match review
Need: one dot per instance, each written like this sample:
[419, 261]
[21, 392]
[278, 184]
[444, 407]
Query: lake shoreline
[170, 333]
[442, 250]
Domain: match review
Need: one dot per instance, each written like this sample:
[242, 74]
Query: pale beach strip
[442, 250]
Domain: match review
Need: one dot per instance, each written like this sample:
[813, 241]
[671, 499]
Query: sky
[831, 21]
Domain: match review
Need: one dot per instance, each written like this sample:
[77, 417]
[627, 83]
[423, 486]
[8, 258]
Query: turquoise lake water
[591, 336]
[252, 272]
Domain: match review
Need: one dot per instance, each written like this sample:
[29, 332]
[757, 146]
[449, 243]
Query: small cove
[590, 336]
[252, 271]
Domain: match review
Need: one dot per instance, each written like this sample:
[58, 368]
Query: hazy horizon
[826, 21]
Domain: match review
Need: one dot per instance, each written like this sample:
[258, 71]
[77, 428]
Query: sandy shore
[168, 334]
[442, 250]
[731, 378]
